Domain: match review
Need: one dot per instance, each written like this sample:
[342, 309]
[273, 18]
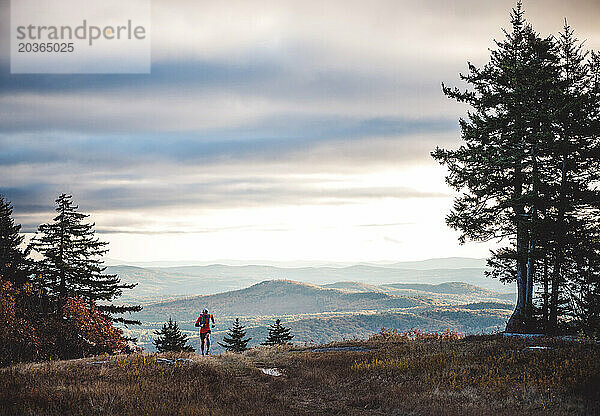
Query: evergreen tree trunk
[558, 251]
[518, 318]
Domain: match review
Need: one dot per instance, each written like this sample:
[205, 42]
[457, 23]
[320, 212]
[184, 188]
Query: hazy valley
[320, 304]
[172, 281]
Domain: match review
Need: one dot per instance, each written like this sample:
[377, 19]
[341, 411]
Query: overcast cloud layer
[257, 113]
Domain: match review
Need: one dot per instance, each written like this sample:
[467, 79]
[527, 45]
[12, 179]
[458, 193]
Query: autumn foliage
[18, 339]
[72, 328]
[82, 331]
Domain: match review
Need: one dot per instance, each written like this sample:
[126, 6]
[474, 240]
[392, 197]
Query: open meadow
[389, 374]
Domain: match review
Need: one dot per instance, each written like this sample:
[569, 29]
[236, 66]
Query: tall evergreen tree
[72, 261]
[577, 166]
[529, 171]
[234, 340]
[278, 334]
[14, 265]
[171, 339]
[498, 169]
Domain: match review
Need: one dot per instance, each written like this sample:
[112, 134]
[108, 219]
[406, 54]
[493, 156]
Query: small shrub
[278, 334]
[234, 340]
[171, 339]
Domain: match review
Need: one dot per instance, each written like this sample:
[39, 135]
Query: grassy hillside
[387, 375]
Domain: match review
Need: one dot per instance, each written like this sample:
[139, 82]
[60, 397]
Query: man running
[203, 322]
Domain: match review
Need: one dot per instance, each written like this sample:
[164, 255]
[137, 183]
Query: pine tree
[234, 340]
[170, 338]
[498, 170]
[575, 210]
[529, 170]
[72, 262]
[278, 334]
[585, 287]
[14, 265]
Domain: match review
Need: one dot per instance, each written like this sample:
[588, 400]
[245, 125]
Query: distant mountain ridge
[457, 288]
[158, 283]
[433, 263]
[442, 263]
[353, 287]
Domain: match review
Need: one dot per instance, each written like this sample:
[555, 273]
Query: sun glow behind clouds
[307, 233]
[385, 228]
[274, 130]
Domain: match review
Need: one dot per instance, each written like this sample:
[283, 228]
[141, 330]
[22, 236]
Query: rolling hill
[320, 303]
[167, 283]
[453, 292]
[342, 310]
[278, 297]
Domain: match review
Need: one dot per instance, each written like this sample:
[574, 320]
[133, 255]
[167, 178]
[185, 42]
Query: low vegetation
[75, 329]
[392, 373]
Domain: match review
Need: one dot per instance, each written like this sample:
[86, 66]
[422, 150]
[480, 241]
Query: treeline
[528, 174]
[55, 297]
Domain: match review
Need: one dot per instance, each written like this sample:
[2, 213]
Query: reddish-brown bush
[18, 338]
[74, 329]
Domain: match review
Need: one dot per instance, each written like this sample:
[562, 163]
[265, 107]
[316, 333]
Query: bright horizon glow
[376, 230]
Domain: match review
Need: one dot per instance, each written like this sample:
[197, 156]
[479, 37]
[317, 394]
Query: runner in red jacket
[203, 322]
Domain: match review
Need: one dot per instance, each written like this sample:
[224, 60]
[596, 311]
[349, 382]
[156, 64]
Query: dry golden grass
[400, 374]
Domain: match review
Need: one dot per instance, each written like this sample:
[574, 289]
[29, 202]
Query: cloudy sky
[276, 130]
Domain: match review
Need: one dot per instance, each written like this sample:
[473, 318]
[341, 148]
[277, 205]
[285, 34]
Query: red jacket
[203, 322]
